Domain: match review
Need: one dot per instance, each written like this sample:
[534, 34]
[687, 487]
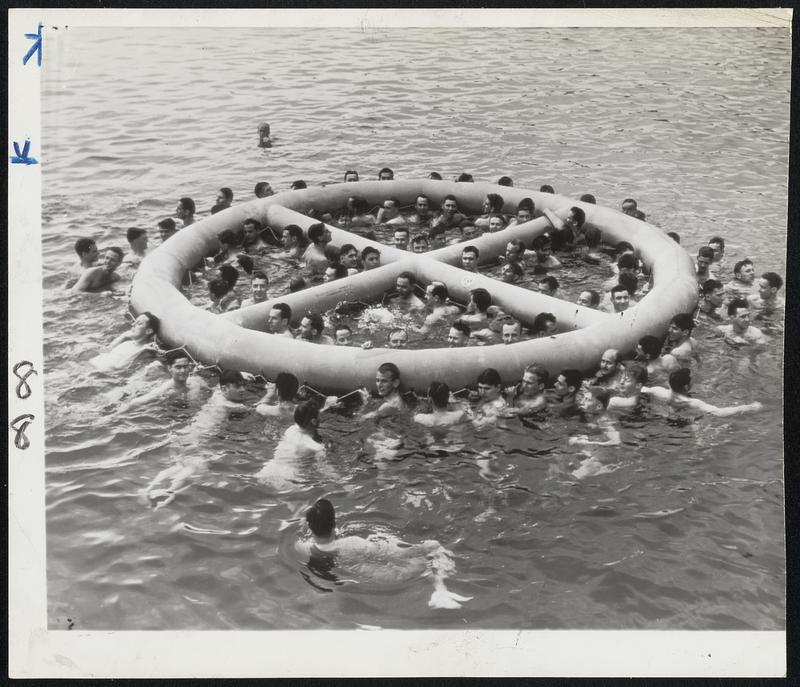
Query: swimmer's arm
[122, 337]
[153, 395]
[658, 392]
[702, 406]
[86, 281]
[553, 218]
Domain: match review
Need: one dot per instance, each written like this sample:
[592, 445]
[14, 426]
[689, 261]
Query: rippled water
[686, 533]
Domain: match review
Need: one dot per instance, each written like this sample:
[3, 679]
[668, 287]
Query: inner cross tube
[236, 340]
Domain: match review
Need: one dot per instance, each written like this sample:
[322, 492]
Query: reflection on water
[683, 533]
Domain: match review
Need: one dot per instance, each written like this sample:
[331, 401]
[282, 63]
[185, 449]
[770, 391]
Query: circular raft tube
[237, 340]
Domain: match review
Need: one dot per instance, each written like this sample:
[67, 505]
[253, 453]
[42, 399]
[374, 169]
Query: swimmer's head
[459, 334]
[227, 238]
[534, 380]
[87, 249]
[717, 243]
[351, 175]
[449, 205]
[385, 174]
[311, 326]
[259, 283]
[705, 256]
[589, 198]
[319, 234]
[546, 188]
[548, 285]
[496, 223]
[674, 236]
[437, 237]
[469, 258]
[648, 348]
[179, 364]
[439, 394]
[225, 196]
[299, 184]
[575, 218]
[166, 228]
[469, 231]
[745, 271]
[400, 238]
[333, 272]
[435, 175]
[251, 230]
[321, 518]
[231, 383]
[297, 284]
[511, 272]
[387, 379]
[567, 382]
[589, 299]
[739, 313]
[493, 202]
[505, 181]
[609, 363]
[629, 206]
[620, 298]
[544, 324]
[286, 385]
[419, 243]
[137, 238]
[185, 208]
[263, 190]
[680, 381]
[713, 292]
[511, 332]
[145, 326]
[404, 284]
[465, 176]
[489, 384]
[343, 335]
[245, 262]
[480, 300]
[634, 377]
[398, 338]
[112, 258]
[422, 205]
[229, 274]
[371, 257]
[769, 284]
[278, 318]
[680, 327]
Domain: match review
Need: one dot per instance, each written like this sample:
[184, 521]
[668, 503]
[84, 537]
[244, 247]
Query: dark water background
[685, 533]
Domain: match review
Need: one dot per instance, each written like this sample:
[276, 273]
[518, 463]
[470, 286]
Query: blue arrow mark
[36, 47]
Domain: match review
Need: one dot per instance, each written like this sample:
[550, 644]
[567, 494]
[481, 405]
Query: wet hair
[579, 215]
[117, 251]
[187, 204]
[546, 188]
[227, 237]
[674, 236]
[263, 128]
[385, 170]
[680, 381]
[286, 385]
[461, 326]
[539, 322]
[709, 286]
[417, 238]
[171, 357]
[683, 321]
[297, 233]
[705, 252]
[627, 261]
[482, 299]
[245, 262]
[439, 393]
[438, 230]
[230, 274]
[225, 191]
[346, 248]
[589, 198]
[629, 280]
[773, 279]
[316, 231]
[152, 321]
[320, 517]
[84, 245]
[594, 297]
[261, 186]
[259, 274]
[254, 222]
[572, 377]
[368, 251]
[284, 309]
[317, 322]
[134, 233]
[339, 271]
[623, 246]
[516, 268]
[539, 370]
[449, 196]
[391, 369]
[472, 249]
[636, 371]
[496, 202]
[218, 287]
[297, 284]
[717, 239]
[737, 303]
[440, 291]
[552, 282]
[491, 377]
[739, 265]
[519, 247]
[618, 288]
[629, 200]
[592, 236]
[435, 175]
[360, 205]
[299, 184]
[230, 377]
[651, 345]
[332, 254]
[505, 181]
[464, 176]
[497, 214]
[526, 203]
[350, 171]
[168, 224]
[541, 242]
[407, 275]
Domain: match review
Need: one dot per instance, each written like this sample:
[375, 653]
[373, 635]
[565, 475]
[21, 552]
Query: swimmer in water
[543, 248]
[87, 254]
[222, 296]
[524, 213]
[259, 282]
[648, 352]
[458, 335]
[101, 278]
[278, 320]
[181, 384]
[437, 304]
[400, 238]
[419, 243]
[314, 255]
[740, 332]
[529, 395]
[185, 210]
[492, 204]
[437, 238]
[491, 405]
[225, 400]
[405, 300]
[312, 328]
[422, 216]
[679, 347]
[469, 259]
[342, 335]
[676, 397]
[610, 371]
[264, 139]
[440, 415]
[705, 256]
[389, 212]
[589, 299]
[712, 295]
[128, 346]
[563, 399]
[387, 385]
[252, 243]
[626, 396]
[294, 242]
[378, 555]
[137, 240]
[766, 302]
[477, 315]
[742, 285]
[511, 332]
[511, 272]
[284, 389]
[263, 189]
[449, 217]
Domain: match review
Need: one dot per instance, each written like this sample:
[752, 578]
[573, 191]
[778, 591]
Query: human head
[546, 188]
[251, 229]
[231, 383]
[620, 298]
[589, 198]
[145, 326]
[319, 234]
[469, 231]
[278, 318]
[397, 338]
[297, 185]
[438, 293]
[437, 237]
[680, 327]
[439, 394]
[534, 380]
[459, 334]
[227, 238]
[286, 385]
[230, 274]
[179, 364]
[404, 284]
[768, 285]
[371, 257]
[401, 238]
[576, 217]
[609, 362]
[423, 205]
[292, 235]
[348, 256]
[137, 238]
[739, 313]
[634, 377]
[469, 258]
[489, 384]
[493, 203]
[589, 299]
[548, 285]
[649, 347]
[514, 250]
[263, 135]
[387, 379]
[332, 255]
[496, 222]
[224, 196]
[449, 205]
[385, 174]
[320, 517]
[351, 175]
[297, 284]
[713, 292]
[258, 286]
[419, 243]
[717, 243]
[217, 288]
[524, 214]
[544, 324]
[744, 271]
[705, 256]
[505, 181]
[86, 248]
[543, 245]
[311, 326]
[674, 236]
[465, 176]
[680, 381]
[166, 228]
[481, 298]
[112, 258]
[185, 208]
[567, 383]
[511, 332]
[263, 190]
[435, 175]
[333, 272]
[511, 272]
[629, 207]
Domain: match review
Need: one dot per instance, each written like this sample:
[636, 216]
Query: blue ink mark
[21, 157]
[36, 47]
